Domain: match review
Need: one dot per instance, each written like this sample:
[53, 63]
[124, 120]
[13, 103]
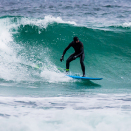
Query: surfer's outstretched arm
[66, 49]
[62, 58]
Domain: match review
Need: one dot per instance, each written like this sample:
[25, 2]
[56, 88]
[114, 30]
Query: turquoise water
[35, 94]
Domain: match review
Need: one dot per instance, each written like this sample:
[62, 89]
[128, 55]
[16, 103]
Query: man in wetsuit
[79, 52]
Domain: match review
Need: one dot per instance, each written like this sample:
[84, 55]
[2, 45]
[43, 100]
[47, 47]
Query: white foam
[126, 24]
[54, 76]
[5, 37]
[67, 120]
[50, 19]
[65, 113]
[43, 23]
[9, 62]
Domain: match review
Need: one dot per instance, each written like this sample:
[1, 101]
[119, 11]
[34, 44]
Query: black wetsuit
[79, 52]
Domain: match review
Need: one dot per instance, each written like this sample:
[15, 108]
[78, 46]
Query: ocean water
[35, 94]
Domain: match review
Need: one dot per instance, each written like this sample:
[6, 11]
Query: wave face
[27, 44]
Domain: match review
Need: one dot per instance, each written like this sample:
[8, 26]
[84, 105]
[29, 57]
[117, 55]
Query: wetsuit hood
[75, 39]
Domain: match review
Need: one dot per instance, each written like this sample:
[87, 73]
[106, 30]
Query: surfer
[79, 52]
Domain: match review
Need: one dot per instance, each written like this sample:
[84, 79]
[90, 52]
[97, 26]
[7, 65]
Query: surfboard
[84, 78]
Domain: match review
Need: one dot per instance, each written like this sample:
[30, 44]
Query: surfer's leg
[82, 63]
[68, 61]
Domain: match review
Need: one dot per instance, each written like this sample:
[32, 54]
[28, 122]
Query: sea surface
[35, 94]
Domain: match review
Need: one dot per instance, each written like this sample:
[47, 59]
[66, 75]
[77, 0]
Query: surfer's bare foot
[83, 76]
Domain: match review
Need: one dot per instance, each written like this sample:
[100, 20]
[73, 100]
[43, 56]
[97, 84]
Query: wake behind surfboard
[84, 78]
[75, 76]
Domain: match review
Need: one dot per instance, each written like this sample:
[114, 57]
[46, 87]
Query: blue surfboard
[84, 78]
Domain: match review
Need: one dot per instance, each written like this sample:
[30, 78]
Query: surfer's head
[76, 39]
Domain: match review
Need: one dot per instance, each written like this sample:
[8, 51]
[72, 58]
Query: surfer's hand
[74, 57]
[62, 58]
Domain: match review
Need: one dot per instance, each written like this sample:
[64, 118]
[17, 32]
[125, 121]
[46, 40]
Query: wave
[27, 42]
[43, 23]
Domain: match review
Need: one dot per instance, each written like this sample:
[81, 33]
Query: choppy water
[35, 94]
